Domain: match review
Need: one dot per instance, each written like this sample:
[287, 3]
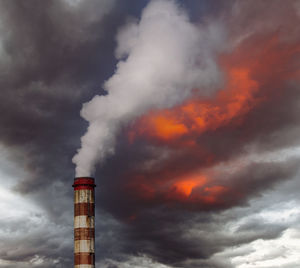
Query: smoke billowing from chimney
[163, 58]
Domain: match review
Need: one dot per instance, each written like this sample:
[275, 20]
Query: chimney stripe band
[84, 246]
[83, 258]
[84, 221]
[83, 187]
[84, 266]
[84, 233]
[84, 181]
[84, 209]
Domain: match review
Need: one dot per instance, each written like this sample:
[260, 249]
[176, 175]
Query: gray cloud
[49, 66]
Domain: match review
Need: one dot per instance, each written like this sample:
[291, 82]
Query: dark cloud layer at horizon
[54, 57]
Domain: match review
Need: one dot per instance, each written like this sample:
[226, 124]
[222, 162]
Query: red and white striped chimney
[84, 222]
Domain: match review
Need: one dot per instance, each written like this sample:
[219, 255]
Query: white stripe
[84, 266]
[84, 246]
[84, 221]
[83, 196]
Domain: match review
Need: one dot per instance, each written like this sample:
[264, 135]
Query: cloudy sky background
[132, 61]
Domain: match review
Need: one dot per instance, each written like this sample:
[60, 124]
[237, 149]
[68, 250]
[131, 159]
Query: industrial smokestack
[84, 222]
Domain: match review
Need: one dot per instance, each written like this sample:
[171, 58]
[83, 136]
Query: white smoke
[162, 58]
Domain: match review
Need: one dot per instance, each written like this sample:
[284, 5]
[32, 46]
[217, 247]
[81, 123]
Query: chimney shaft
[84, 222]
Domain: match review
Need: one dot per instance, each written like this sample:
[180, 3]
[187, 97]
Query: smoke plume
[163, 58]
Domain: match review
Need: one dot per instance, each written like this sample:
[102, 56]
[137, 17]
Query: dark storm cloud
[158, 227]
[54, 56]
[166, 231]
[51, 65]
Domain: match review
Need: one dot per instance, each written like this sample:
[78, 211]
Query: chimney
[84, 222]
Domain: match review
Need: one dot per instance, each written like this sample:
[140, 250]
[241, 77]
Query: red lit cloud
[247, 70]
[199, 160]
[255, 74]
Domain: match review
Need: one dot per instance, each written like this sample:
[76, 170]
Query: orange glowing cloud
[245, 72]
[168, 128]
[254, 73]
[194, 188]
[197, 116]
[186, 186]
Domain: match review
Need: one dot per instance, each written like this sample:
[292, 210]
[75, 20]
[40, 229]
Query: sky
[185, 112]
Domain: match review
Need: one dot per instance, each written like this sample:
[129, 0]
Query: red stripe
[84, 181]
[84, 233]
[83, 187]
[84, 209]
[84, 258]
